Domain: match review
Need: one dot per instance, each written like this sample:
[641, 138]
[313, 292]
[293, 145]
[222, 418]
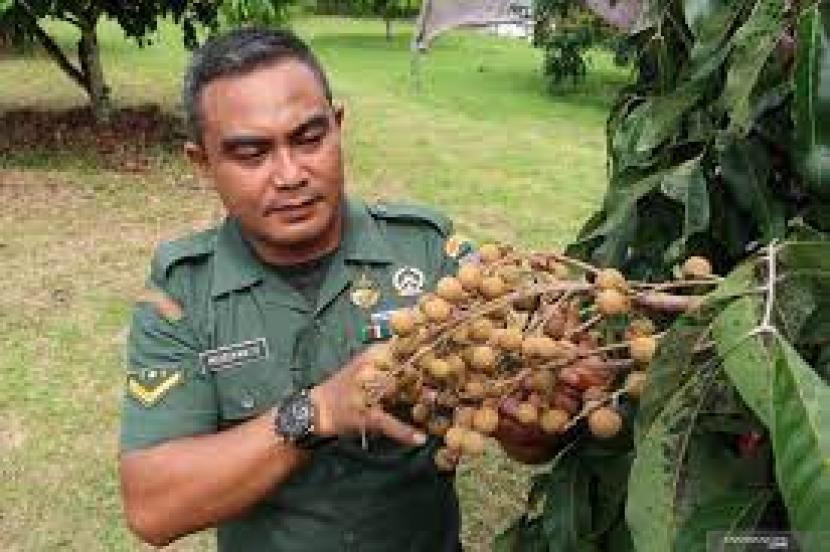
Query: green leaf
[655, 485]
[566, 519]
[730, 512]
[687, 186]
[746, 360]
[812, 98]
[752, 45]
[801, 440]
[654, 122]
[746, 172]
[5, 5]
[807, 256]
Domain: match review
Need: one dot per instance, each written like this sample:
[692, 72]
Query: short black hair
[238, 52]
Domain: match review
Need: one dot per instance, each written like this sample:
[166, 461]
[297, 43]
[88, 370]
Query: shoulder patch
[417, 214]
[195, 245]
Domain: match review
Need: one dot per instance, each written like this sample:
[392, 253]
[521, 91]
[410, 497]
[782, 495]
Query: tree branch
[54, 50]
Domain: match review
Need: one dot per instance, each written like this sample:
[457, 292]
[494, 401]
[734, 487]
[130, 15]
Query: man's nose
[287, 172]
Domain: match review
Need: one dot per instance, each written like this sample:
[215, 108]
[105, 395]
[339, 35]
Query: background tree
[138, 20]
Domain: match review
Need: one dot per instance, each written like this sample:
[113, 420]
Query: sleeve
[166, 396]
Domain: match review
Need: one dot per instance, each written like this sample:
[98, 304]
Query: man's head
[263, 129]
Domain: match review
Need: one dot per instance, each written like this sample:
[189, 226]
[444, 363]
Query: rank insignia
[458, 246]
[378, 328]
[408, 281]
[365, 293]
[150, 385]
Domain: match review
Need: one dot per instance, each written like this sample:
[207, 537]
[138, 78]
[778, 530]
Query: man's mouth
[291, 206]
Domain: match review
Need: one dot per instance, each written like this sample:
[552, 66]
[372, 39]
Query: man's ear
[339, 112]
[197, 155]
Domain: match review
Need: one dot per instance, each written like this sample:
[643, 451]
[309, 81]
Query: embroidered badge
[149, 386]
[458, 246]
[163, 304]
[365, 293]
[378, 328]
[408, 281]
[229, 356]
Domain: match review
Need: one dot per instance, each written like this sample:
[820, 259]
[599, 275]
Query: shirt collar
[236, 265]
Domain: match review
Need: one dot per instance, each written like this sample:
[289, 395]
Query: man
[247, 343]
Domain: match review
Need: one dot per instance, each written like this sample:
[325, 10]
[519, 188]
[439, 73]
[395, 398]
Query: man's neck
[297, 253]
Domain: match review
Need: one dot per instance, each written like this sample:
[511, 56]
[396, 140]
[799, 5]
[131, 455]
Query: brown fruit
[541, 381]
[463, 416]
[472, 442]
[481, 329]
[475, 389]
[540, 347]
[426, 357]
[402, 347]
[454, 436]
[639, 327]
[486, 420]
[402, 322]
[470, 276]
[509, 339]
[483, 358]
[510, 274]
[489, 253]
[445, 459]
[439, 368]
[555, 324]
[611, 302]
[527, 413]
[437, 310]
[559, 270]
[635, 383]
[457, 365]
[527, 303]
[420, 413]
[604, 422]
[610, 278]
[642, 349]
[492, 287]
[696, 268]
[461, 336]
[449, 289]
[554, 421]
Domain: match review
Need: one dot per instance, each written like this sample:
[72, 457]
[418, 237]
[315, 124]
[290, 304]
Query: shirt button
[247, 403]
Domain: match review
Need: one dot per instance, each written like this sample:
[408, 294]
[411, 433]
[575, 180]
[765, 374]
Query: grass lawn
[480, 139]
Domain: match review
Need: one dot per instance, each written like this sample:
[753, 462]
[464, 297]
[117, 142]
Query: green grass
[479, 138]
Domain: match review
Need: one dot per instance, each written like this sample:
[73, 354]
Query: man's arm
[187, 484]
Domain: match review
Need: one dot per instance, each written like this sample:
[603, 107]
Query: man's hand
[343, 407]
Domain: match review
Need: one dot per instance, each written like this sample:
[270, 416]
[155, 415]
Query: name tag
[229, 356]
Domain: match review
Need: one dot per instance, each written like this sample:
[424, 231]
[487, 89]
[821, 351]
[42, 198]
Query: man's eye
[247, 154]
[311, 138]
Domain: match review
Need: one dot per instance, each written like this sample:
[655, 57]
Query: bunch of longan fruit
[561, 339]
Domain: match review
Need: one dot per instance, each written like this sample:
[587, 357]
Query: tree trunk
[89, 56]
[388, 20]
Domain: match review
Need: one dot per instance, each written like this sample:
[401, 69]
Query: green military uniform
[223, 338]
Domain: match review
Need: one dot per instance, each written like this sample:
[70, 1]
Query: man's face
[271, 145]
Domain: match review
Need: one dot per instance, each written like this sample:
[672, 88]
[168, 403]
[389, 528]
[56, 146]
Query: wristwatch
[294, 422]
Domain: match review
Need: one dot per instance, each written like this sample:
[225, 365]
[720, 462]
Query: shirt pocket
[250, 389]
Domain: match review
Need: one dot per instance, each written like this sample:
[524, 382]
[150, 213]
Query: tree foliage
[719, 148]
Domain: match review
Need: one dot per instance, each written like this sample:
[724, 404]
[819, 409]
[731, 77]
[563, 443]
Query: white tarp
[438, 16]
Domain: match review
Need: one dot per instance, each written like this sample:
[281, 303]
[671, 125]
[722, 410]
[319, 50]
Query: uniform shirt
[221, 338]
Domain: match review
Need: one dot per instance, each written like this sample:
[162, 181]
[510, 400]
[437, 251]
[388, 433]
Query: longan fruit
[547, 348]
[559, 270]
[696, 268]
[642, 349]
[463, 416]
[489, 253]
[445, 459]
[527, 303]
[438, 425]
[555, 325]
[382, 358]
[604, 422]
[492, 287]
[461, 336]
[457, 364]
[425, 359]
[486, 420]
[472, 443]
[610, 278]
[437, 310]
[639, 327]
[475, 389]
[402, 322]
[635, 383]
[542, 381]
[470, 276]
[449, 289]
[420, 413]
[402, 347]
[527, 413]
[454, 437]
[439, 368]
[509, 339]
[611, 302]
[483, 358]
[553, 421]
[481, 329]
[510, 274]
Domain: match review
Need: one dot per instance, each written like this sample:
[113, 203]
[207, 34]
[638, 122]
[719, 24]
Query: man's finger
[388, 425]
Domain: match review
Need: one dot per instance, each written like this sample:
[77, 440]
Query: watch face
[296, 417]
